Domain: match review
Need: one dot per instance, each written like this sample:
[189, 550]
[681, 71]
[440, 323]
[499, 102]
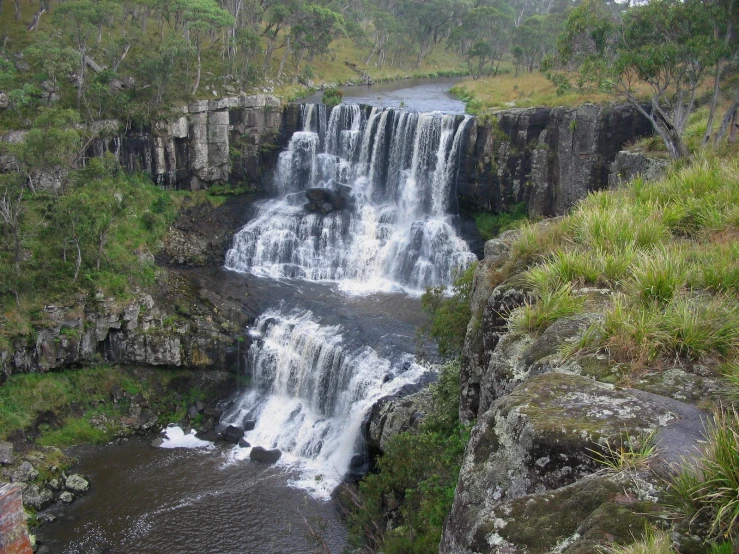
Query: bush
[332, 97]
[448, 315]
[415, 479]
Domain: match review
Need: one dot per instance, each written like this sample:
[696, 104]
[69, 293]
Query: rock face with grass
[548, 158]
[559, 457]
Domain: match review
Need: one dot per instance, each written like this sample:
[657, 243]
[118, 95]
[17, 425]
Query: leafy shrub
[448, 315]
[332, 96]
[415, 479]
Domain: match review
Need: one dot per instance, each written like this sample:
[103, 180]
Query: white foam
[175, 437]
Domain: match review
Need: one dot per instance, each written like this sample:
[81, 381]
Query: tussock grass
[707, 492]
[653, 541]
[550, 306]
[634, 453]
[522, 91]
[670, 251]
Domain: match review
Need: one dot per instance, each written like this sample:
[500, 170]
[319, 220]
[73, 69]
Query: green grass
[653, 541]
[707, 492]
[633, 453]
[491, 225]
[668, 250]
[550, 306]
[59, 405]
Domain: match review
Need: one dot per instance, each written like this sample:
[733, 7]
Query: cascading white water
[310, 393]
[380, 212]
[365, 198]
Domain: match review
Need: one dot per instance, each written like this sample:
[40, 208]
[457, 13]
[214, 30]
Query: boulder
[323, 200]
[249, 425]
[541, 437]
[244, 444]
[232, 434]
[66, 497]
[24, 473]
[76, 483]
[37, 497]
[6, 453]
[259, 454]
[211, 436]
[393, 415]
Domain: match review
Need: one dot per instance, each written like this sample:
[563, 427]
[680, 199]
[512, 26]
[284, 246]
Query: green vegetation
[415, 479]
[491, 225]
[706, 493]
[653, 541]
[448, 315]
[633, 453]
[666, 49]
[92, 230]
[86, 405]
[666, 249]
[332, 96]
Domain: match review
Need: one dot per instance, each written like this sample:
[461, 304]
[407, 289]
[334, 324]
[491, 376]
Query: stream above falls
[364, 219]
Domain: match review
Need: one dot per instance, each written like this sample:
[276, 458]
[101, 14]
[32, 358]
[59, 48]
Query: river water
[364, 220]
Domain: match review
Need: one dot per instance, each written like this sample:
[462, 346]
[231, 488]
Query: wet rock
[394, 415]
[37, 497]
[157, 442]
[232, 434]
[207, 426]
[76, 483]
[199, 406]
[192, 412]
[66, 497]
[324, 200]
[211, 436]
[249, 425]
[6, 453]
[243, 443]
[25, 473]
[259, 454]
[215, 413]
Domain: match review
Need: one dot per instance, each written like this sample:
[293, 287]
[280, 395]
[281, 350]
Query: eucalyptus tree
[199, 18]
[666, 47]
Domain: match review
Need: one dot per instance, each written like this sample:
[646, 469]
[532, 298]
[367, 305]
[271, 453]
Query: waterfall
[366, 199]
[311, 389]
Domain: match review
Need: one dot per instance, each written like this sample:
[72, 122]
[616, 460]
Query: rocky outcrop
[630, 164]
[530, 481]
[548, 158]
[14, 537]
[186, 327]
[212, 141]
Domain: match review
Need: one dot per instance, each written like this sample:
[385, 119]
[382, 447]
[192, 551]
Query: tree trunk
[196, 86]
[284, 57]
[17, 9]
[79, 259]
[81, 77]
[728, 120]
[714, 102]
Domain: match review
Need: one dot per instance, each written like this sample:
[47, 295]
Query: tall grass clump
[653, 541]
[669, 249]
[548, 308]
[706, 492]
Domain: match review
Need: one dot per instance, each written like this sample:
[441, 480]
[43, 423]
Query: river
[364, 220]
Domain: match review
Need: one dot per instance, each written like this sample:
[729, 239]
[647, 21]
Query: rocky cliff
[209, 141]
[548, 158]
[530, 481]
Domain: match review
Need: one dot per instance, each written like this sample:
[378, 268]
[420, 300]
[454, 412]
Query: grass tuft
[551, 306]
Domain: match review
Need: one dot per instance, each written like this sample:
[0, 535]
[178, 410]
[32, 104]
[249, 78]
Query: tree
[666, 46]
[200, 18]
[484, 37]
[54, 60]
[81, 20]
[161, 66]
[50, 148]
[12, 209]
[533, 39]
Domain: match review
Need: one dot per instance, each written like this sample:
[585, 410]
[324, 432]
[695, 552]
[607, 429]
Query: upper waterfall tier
[365, 196]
